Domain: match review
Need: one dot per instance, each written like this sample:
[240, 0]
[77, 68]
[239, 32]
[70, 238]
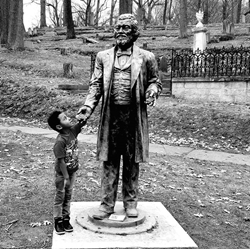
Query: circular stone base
[143, 223]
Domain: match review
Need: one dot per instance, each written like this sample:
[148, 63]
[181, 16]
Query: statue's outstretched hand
[150, 98]
[83, 113]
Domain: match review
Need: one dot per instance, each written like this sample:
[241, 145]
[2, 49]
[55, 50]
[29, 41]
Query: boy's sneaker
[59, 228]
[67, 226]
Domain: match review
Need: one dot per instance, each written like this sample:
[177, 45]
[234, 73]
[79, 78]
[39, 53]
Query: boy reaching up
[66, 164]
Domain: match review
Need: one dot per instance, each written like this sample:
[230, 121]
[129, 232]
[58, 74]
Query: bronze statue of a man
[126, 77]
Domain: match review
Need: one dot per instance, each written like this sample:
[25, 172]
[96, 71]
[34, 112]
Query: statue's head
[126, 31]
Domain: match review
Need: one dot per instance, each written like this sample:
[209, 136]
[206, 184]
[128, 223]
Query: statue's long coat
[144, 76]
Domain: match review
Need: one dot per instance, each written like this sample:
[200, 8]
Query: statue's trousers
[121, 143]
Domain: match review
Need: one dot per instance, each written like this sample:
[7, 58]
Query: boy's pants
[63, 196]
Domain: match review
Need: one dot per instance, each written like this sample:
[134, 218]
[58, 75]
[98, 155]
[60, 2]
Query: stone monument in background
[200, 37]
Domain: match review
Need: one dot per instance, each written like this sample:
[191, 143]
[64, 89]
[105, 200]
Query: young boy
[66, 165]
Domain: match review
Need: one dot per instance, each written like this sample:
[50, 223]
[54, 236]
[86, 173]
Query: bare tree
[199, 5]
[225, 10]
[16, 31]
[238, 14]
[4, 20]
[144, 10]
[165, 12]
[43, 13]
[206, 12]
[89, 4]
[183, 19]
[169, 10]
[54, 12]
[97, 12]
[141, 12]
[232, 11]
[100, 6]
[69, 20]
[125, 6]
[113, 3]
[151, 4]
[85, 11]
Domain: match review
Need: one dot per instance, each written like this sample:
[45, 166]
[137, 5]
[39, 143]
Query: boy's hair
[53, 120]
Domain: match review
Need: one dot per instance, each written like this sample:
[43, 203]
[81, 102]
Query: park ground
[211, 201]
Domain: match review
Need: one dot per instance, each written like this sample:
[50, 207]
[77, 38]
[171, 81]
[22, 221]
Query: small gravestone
[68, 70]
[243, 19]
[144, 45]
[34, 32]
[228, 27]
[163, 64]
[64, 51]
[92, 19]
[29, 31]
[165, 78]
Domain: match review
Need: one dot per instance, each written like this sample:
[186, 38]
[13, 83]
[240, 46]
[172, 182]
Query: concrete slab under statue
[154, 227]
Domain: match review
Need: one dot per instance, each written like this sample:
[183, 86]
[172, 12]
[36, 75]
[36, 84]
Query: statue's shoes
[100, 215]
[132, 212]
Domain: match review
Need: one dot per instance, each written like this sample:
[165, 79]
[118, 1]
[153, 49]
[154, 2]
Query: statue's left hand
[150, 98]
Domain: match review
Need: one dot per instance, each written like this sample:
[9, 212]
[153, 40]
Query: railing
[230, 62]
[215, 62]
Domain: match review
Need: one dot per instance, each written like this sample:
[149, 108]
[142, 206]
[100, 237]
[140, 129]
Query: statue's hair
[131, 18]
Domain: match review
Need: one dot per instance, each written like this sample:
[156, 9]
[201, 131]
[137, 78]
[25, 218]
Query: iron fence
[215, 62]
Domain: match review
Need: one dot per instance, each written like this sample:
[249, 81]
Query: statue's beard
[124, 42]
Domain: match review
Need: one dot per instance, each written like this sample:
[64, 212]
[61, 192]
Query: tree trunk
[97, 12]
[206, 12]
[225, 10]
[199, 5]
[88, 13]
[232, 12]
[151, 5]
[64, 19]
[16, 34]
[125, 6]
[43, 14]
[169, 10]
[4, 20]
[69, 20]
[57, 15]
[183, 19]
[238, 15]
[165, 12]
[113, 3]
[140, 15]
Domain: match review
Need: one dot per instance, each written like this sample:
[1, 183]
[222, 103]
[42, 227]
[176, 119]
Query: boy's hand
[84, 113]
[66, 182]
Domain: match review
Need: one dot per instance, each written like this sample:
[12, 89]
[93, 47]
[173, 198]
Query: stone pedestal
[200, 38]
[143, 223]
[155, 227]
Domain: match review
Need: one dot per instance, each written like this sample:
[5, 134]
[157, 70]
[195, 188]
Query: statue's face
[123, 33]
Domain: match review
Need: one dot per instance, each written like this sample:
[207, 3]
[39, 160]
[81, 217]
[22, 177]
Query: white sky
[31, 16]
